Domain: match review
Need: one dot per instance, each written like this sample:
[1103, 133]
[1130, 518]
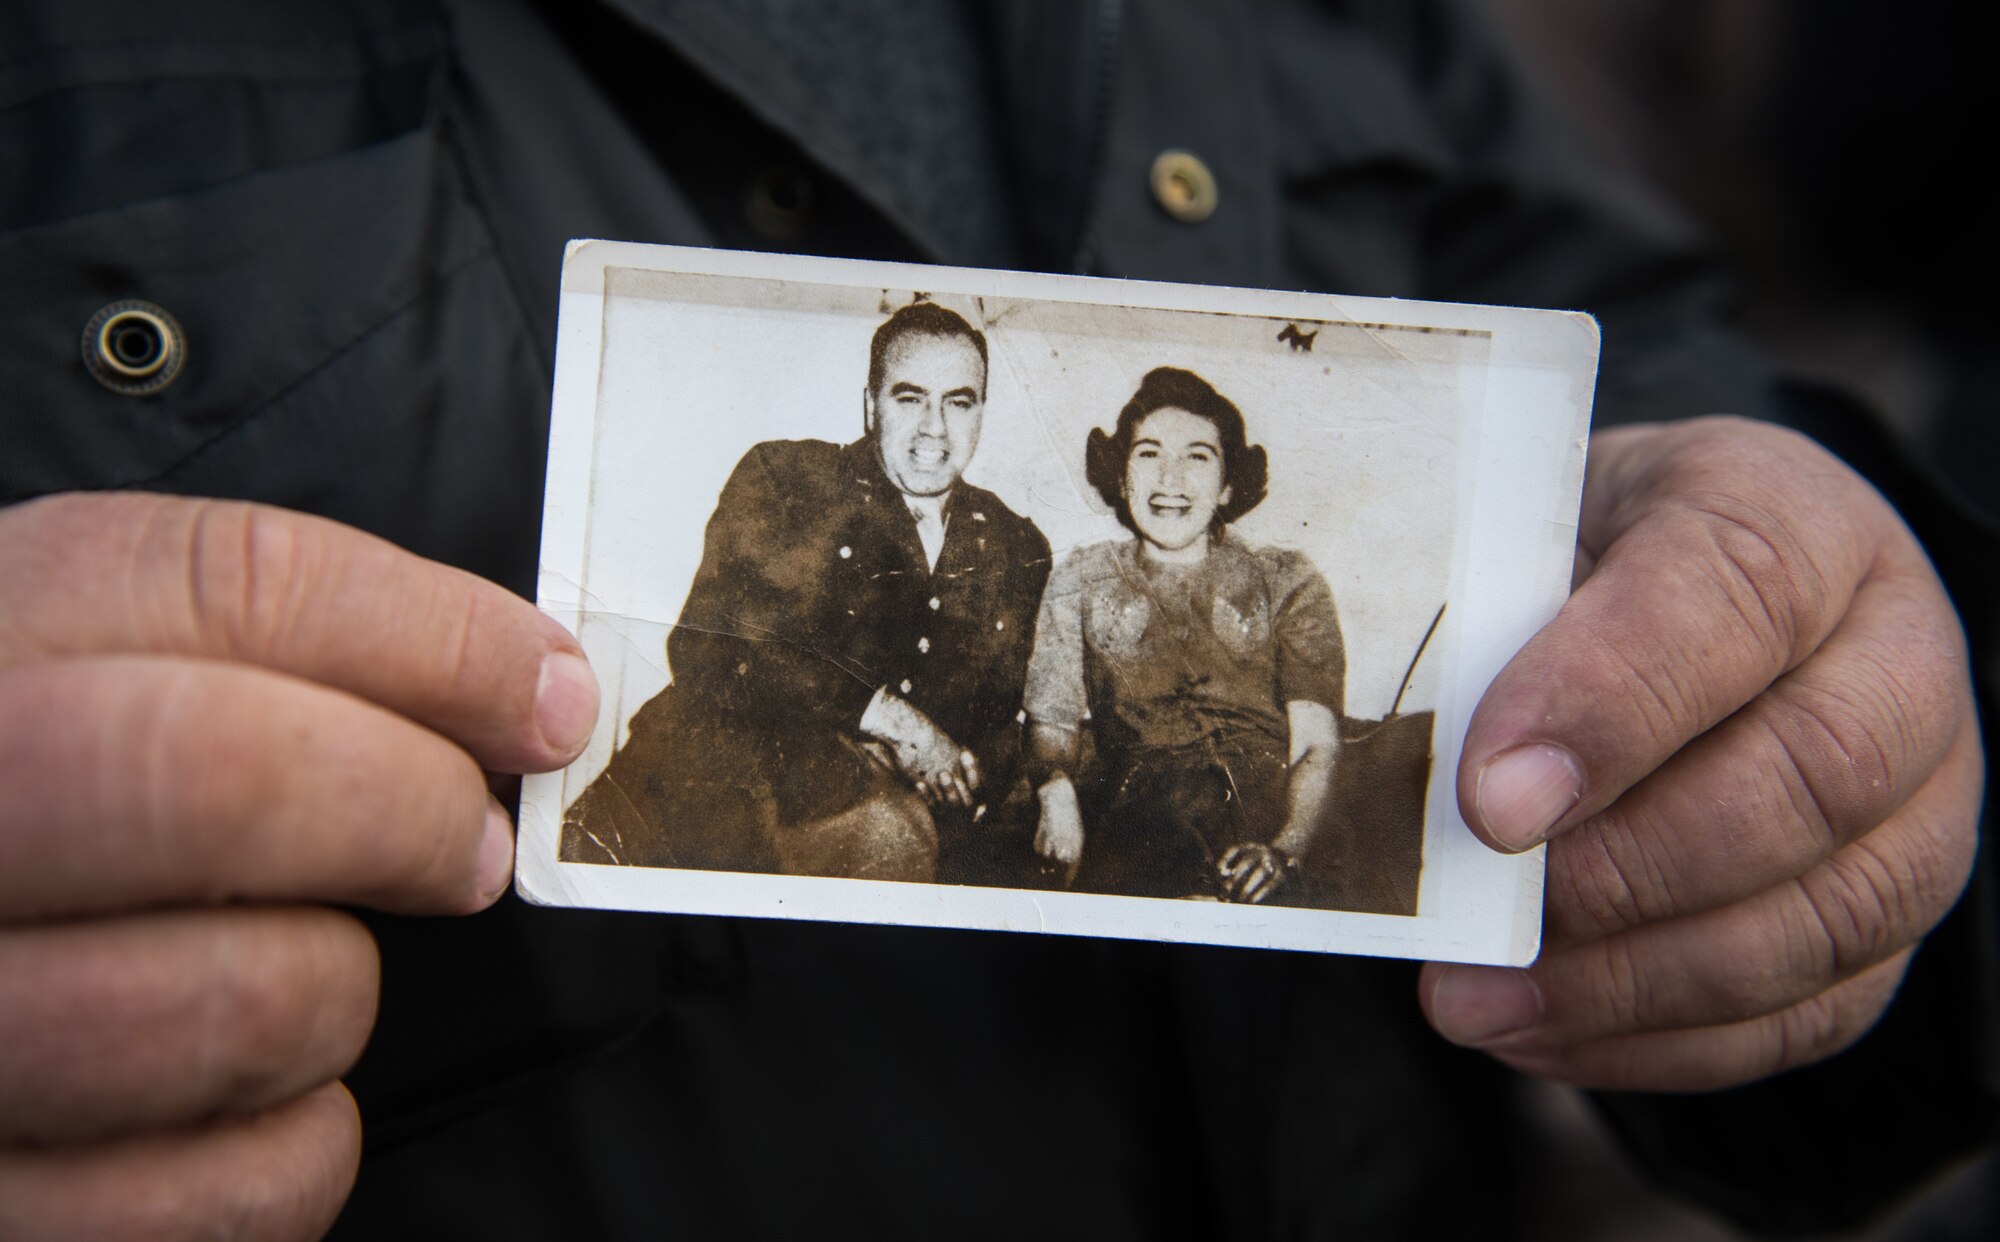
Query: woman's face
[1173, 479]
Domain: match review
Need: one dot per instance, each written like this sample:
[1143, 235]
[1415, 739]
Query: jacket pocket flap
[270, 276]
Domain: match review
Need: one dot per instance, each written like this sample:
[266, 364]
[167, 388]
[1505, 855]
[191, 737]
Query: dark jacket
[357, 210]
[813, 594]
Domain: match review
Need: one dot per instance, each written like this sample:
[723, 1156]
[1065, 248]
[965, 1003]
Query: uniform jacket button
[1183, 186]
[779, 203]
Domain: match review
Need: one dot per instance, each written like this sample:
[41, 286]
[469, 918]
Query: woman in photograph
[1185, 687]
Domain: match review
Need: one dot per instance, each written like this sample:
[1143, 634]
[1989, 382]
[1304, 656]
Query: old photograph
[992, 600]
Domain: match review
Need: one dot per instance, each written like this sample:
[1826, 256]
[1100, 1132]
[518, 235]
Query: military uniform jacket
[814, 594]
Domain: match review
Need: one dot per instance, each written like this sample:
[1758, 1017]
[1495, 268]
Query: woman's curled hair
[1245, 466]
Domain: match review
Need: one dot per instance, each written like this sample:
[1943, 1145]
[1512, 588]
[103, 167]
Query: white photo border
[1521, 461]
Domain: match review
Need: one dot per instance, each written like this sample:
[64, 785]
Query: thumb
[1722, 553]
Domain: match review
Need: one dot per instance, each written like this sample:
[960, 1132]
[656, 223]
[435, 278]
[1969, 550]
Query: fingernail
[496, 852]
[1523, 792]
[1479, 1004]
[566, 702]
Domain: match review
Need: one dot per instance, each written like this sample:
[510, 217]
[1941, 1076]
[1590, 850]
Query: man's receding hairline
[922, 318]
[912, 335]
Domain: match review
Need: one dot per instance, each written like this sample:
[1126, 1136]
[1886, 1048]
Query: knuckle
[1856, 744]
[459, 656]
[1760, 569]
[1744, 990]
[1619, 993]
[1833, 763]
[1806, 1032]
[1827, 1022]
[1636, 683]
[1844, 918]
[255, 1000]
[1868, 727]
[1883, 892]
[469, 629]
[1768, 819]
[344, 1016]
[1764, 971]
[286, 995]
[248, 567]
[1821, 520]
[1604, 878]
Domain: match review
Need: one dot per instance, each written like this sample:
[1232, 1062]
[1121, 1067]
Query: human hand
[215, 719]
[1749, 737]
[936, 767]
[1059, 831]
[1252, 872]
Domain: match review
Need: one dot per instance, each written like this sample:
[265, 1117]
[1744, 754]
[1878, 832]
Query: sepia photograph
[991, 600]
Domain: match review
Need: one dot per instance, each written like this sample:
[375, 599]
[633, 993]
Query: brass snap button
[134, 348]
[1183, 186]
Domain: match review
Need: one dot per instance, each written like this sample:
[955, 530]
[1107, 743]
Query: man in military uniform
[847, 669]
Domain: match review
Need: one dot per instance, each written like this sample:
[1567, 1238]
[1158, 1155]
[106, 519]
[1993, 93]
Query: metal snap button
[134, 348]
[1183, 186]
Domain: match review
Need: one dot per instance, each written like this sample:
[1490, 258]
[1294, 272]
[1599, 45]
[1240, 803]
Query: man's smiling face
[927, 411]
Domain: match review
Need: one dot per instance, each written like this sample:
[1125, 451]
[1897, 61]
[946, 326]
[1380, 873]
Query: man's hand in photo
[934, 765]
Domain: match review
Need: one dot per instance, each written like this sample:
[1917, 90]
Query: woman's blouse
[1171, 656]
